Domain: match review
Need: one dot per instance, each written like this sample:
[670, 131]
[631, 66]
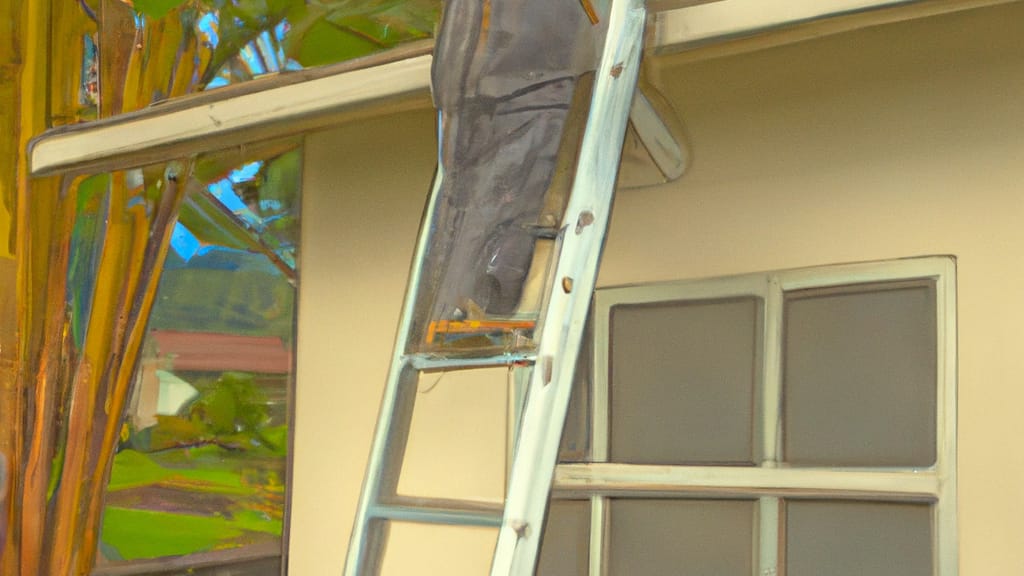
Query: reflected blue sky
[264, 55]
[185, 243]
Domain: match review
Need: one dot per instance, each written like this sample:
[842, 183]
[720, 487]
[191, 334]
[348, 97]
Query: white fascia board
[285, 107]
[718, 22]
[731, 18]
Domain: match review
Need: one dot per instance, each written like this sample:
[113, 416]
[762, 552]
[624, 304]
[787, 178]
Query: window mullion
[598, 534]
[767, 535]
[768, 541]
[599, 441]
[771, 393]
[599, 416]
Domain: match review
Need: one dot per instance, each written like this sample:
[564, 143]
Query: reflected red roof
[210, 352]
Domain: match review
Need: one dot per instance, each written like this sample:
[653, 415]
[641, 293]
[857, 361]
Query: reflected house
[173, 357]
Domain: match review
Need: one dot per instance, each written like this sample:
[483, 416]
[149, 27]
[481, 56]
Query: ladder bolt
[617, 70]
[566, 284]
[519, 527]
[586, 219]
[548, 367]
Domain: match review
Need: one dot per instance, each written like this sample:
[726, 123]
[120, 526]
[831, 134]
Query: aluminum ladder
[581, 236]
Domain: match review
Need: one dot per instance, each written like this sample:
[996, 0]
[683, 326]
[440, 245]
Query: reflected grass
[234, 499]
[180, 533]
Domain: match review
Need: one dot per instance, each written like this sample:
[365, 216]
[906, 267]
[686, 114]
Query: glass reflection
[200, 464]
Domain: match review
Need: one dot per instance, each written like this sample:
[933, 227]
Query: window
[791, 423]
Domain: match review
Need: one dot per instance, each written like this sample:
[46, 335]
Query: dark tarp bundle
[504, 78]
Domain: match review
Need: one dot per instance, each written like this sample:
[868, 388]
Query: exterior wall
[365, 189]
[888, 142]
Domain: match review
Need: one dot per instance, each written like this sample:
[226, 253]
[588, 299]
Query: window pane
[860, 375]
[855, 538]
[681, 537]
[200, 465]
[566, 546]
[683, 376]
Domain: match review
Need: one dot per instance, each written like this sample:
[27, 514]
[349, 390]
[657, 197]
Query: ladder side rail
[584, 227]
[380, 481]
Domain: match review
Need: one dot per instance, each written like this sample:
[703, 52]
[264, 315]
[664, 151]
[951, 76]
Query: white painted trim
[280, 105]
[766, 536]
[946, 520]
[670, 156]
[771, 393]
[737, 26]
[598, 535]
[731, 18]
[666, 5]
[863, 272]
[736, 481]
[601, 393]
[679, 291]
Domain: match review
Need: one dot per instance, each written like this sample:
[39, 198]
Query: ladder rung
[434, 363]
[440, 511]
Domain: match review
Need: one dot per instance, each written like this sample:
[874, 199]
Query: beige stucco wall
[365, 188]
[895, 141]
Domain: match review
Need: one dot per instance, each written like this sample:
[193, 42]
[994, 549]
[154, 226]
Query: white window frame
[602, 480]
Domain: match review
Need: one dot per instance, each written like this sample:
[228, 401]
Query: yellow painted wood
[23, 58]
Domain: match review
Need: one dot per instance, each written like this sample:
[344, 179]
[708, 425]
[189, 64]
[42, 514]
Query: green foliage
[272, 196]
[276, 439]
[346, 29]
[281, 180]
[230, 414]
[324, 43]
[228, 301]
[170, 432]
[132, 469]
[213, 224]
[233, 405]
[240, 22]
[180, 534]
[321, 32]
[256, 522]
